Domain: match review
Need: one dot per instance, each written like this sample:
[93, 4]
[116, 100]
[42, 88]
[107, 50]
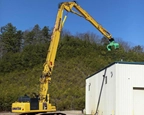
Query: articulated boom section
[49, 64]
[68, 6]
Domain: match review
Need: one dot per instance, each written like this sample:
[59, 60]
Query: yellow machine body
[24, 107]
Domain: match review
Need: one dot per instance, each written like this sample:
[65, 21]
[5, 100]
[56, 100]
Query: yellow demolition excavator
[41, 103]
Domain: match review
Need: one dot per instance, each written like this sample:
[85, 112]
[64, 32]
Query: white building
[122, 90]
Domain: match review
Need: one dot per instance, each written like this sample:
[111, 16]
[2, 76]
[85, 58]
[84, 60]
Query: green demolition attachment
[112, 44]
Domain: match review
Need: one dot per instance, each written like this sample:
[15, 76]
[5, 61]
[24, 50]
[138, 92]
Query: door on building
[138, 101]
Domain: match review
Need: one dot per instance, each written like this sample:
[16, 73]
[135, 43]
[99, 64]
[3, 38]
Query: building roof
[117, 62]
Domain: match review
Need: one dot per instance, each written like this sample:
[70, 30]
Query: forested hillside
[22, 54]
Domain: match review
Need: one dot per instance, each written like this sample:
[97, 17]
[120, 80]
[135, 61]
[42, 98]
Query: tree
[1, 46]
[29, 38]
[104, 41]
[11, 38]
[137, 49]
[45, 32]
[89, 36]
[125, 45]
[37, 33]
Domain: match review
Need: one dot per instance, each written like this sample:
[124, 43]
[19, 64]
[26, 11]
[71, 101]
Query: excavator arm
[49, 64]
[68, 6]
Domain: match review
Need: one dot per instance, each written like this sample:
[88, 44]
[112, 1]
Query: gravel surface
[66, 112]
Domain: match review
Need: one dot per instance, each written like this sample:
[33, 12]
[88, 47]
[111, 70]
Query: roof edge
[117, 62]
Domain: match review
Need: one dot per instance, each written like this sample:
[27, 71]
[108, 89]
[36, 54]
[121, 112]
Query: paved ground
[66, 112]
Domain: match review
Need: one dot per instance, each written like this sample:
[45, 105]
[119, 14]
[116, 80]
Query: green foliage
[29, 38]
[45, 32]
[31, 56]
[11, 38]
[77, 58]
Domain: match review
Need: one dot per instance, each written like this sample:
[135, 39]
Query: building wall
[91, 96]
[129, 76]
[110, 91]
[122, 92]
[93, 88]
